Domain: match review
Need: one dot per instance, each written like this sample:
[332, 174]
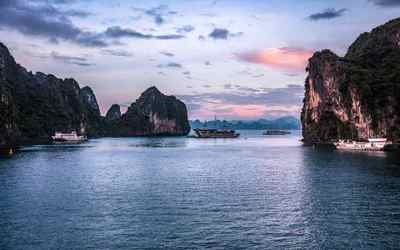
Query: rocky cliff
[9, 131]
[153, 114]
[34, 106]
[356, 96]
[95, 122]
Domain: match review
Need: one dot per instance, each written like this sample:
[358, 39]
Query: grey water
[255, 192]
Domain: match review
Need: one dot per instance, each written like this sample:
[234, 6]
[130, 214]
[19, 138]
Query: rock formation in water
[153, 114]
[34, 106]
[356, 96]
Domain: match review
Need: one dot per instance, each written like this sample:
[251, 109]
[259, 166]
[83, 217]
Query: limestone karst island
[199, 124]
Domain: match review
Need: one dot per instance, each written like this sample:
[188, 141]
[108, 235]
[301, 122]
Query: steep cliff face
[95, 122]
[153, 114]
[134, 123]
[8, 117]
[167, 114]
[357, 96]
[9, 131]
[34, 106]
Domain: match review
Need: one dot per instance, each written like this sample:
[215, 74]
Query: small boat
[373, 144]
[277, 132]
[72, 137]
[216, 133]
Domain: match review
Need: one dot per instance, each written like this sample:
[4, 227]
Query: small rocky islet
[34, 106]
[153, 114]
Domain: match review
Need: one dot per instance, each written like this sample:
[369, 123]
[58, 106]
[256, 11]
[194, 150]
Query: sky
[231, 59]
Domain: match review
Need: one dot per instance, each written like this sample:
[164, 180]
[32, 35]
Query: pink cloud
[286, 58]
[230, 111]
[249, 111]
[244, 112]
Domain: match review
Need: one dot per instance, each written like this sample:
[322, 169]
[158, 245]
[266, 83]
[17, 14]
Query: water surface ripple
[183, 193]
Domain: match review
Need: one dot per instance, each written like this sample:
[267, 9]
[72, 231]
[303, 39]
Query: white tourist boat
[72, 137]
[375, 144]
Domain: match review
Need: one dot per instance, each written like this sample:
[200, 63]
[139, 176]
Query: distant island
[357, 96]
[284, 123]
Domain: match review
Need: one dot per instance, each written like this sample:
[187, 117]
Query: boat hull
[58, 141]
[358, 149]
[361, 146]
[216, 134]
[276, 132]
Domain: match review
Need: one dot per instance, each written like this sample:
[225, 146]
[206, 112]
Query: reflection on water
[160, 143]
[353, 199]
[55, 147]
[182, 193]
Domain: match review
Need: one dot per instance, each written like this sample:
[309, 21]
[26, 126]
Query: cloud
[237, 34]
[170, 65]
[75, 60]
[251, 90]
[44, 20]
[119, 32]
[46, 7]
[76, 13]
[327, 14]
[240, 102]
[286, 58]
[119, 53]
[185, 29]
[386, 3]
[60, 1]
[166, 53]
[213, 3]
[228, 86]
[219, 34]
[159, 19]
[158, 13]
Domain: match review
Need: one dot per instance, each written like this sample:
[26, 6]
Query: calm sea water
[183, 193]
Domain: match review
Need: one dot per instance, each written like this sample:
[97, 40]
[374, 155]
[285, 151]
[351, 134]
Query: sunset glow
[287, 59]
